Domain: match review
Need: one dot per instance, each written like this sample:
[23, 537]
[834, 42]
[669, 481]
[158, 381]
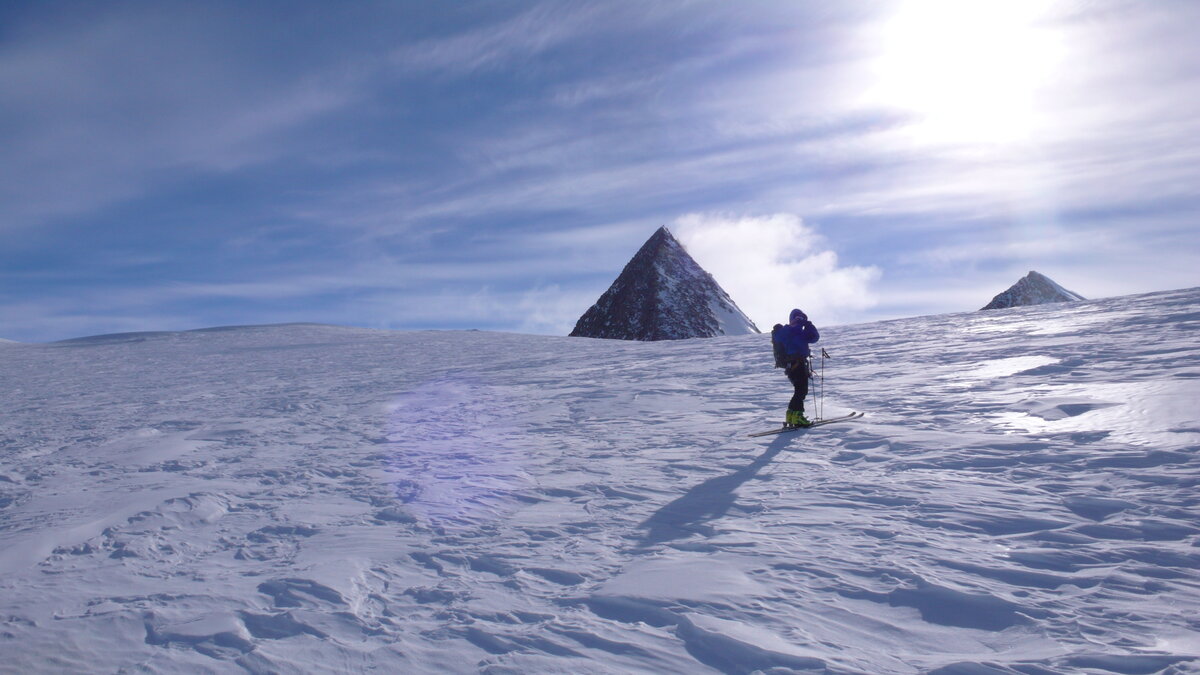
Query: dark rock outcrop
[1033, 289]
[663, 294]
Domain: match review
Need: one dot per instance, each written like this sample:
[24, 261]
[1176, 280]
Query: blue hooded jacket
[794, 340]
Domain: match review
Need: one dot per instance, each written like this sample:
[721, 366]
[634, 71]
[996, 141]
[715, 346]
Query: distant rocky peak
[663, 294]
[1033, 289]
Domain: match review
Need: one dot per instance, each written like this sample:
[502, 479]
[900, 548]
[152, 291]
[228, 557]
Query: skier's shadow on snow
[706, 502]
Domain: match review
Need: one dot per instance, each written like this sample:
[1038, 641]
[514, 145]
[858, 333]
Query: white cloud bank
[770, 264]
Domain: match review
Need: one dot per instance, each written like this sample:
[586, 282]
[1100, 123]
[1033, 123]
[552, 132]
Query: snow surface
[1021, 498]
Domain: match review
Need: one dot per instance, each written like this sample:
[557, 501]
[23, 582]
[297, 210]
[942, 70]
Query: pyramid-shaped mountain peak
[1033, 289]
[663, 294]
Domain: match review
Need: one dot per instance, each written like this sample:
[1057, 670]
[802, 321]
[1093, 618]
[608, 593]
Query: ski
[818, 423]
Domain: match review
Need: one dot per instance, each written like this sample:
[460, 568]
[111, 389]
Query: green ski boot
[796, 420]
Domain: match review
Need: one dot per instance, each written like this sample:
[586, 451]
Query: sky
[493, 165]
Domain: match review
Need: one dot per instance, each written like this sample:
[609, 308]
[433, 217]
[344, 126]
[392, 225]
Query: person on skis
[791, 343]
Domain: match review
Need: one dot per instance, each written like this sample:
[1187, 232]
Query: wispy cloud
[770, 264]
[495, 46]
[104, 111]
[399, 162]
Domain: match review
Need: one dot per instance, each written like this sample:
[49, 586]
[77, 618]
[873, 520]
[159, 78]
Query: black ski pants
[797, 372]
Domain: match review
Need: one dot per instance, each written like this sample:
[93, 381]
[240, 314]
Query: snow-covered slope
[663, 294]
[1032, 289]
[1021, 498]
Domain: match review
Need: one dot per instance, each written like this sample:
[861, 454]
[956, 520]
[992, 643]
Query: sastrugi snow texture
[1020, 498]
[1032, 289]
[663, 294]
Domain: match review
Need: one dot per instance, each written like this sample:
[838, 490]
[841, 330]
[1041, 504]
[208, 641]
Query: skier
[791, 353]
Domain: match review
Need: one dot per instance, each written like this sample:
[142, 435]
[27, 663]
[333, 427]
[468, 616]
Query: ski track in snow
[1021, 498]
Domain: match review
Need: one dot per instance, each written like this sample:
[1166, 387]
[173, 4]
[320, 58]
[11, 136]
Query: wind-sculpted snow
[1021, 498]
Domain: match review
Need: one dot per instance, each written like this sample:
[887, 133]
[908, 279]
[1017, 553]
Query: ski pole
[812, 376]
[821, 391]
[824, 356]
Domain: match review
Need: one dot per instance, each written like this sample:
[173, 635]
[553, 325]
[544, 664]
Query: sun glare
[971, 72]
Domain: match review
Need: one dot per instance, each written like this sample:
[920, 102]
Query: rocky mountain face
[1033, 289]
[663, 294]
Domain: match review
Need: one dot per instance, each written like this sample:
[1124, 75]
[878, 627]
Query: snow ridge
[1033, 289]
[663, 294]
